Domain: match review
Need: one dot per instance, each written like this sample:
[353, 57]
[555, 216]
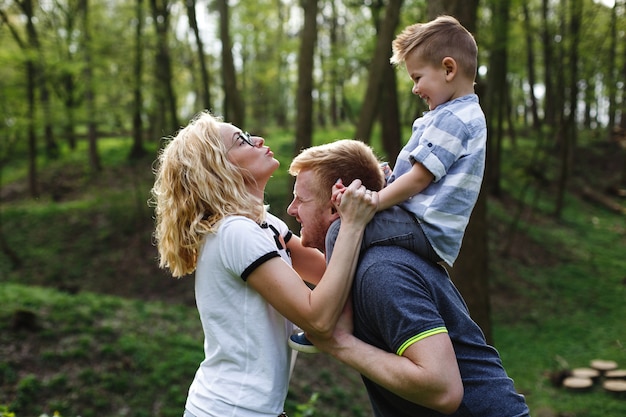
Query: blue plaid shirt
[450, 141]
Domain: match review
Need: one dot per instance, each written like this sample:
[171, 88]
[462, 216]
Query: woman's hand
[338, 190]
[355, 203]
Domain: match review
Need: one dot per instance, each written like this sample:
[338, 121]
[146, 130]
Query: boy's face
[431, 82]
[314, 217]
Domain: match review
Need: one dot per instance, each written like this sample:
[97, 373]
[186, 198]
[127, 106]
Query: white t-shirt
[246, 368]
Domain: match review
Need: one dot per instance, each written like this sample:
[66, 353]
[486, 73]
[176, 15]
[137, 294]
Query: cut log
[615, 386]
[603, 365]
[616, 374]
[576, 383]
[590, 373]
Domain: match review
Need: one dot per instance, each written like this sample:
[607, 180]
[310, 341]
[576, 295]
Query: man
[414, 343]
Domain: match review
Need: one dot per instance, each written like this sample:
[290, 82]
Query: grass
[111, 334]
[91, 354]
[572, 312]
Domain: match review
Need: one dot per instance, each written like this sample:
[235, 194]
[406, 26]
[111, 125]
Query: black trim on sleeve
[288, 236]
[254, 265]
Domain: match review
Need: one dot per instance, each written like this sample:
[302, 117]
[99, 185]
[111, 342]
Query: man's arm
[309, 263]
[426, 374]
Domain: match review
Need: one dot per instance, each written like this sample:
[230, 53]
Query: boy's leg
[394, 226]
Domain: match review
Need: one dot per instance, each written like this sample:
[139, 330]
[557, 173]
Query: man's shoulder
[381, 258]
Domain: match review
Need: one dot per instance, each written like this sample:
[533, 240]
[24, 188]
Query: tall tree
[547, 42]
[568, 128]
[529, 35]
[470, 272]
[377, 68]
[164, 91]
[496, 97]
[613, 70]
[31, 76]
[622, 123]
[204, 72]
[389, 110]
[67, 87]
[234, 110]
[137, 150]
[333, 75]
[90, 96]
[304, 98]
[51, 147]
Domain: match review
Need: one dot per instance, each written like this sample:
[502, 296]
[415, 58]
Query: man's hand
[341, 334]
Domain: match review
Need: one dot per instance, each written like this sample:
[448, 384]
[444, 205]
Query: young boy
[438, 174]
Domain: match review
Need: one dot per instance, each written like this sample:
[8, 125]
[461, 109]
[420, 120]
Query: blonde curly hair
[195, 187]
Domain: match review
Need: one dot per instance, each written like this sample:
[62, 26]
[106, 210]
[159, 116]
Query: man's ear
[450, 66]
[334, 214]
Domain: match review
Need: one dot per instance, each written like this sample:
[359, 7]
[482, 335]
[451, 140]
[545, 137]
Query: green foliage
[308, 409]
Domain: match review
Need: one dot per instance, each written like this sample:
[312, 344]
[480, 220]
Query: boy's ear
[451, 67]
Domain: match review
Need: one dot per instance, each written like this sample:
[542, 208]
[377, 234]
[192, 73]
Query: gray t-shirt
[398, 297]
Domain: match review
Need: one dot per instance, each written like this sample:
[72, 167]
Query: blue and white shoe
[300, 343]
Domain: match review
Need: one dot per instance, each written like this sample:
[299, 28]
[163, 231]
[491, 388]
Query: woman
[210, 218]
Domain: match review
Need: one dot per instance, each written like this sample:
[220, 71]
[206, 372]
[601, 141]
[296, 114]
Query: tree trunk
[234, 111]
[497, 92]
[333, 72]
[304, 98]
[390, 115]
[51, 147]
[548, 53]
[92, 126]
[465, 11]
[204, 72]
[471, 273]
[529, 34]
[137, 150]
[371, 102]
[164, 94]
[31, 76]
[69, 102]
[612, 69]
[568, 125]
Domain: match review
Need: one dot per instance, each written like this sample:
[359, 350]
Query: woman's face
[249, 153]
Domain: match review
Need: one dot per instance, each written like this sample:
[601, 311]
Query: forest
[82, 70]
[78, 75]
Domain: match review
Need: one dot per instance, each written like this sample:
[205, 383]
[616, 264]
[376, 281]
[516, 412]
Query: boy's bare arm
[405, 187]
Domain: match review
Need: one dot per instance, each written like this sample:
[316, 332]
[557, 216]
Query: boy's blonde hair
[435, 40]
[195, 187]
[344, 159]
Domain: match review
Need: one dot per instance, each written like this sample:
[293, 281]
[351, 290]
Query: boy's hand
[337, 191]
[356, 204]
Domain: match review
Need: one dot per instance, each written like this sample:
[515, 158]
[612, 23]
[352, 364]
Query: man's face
[314, 217]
